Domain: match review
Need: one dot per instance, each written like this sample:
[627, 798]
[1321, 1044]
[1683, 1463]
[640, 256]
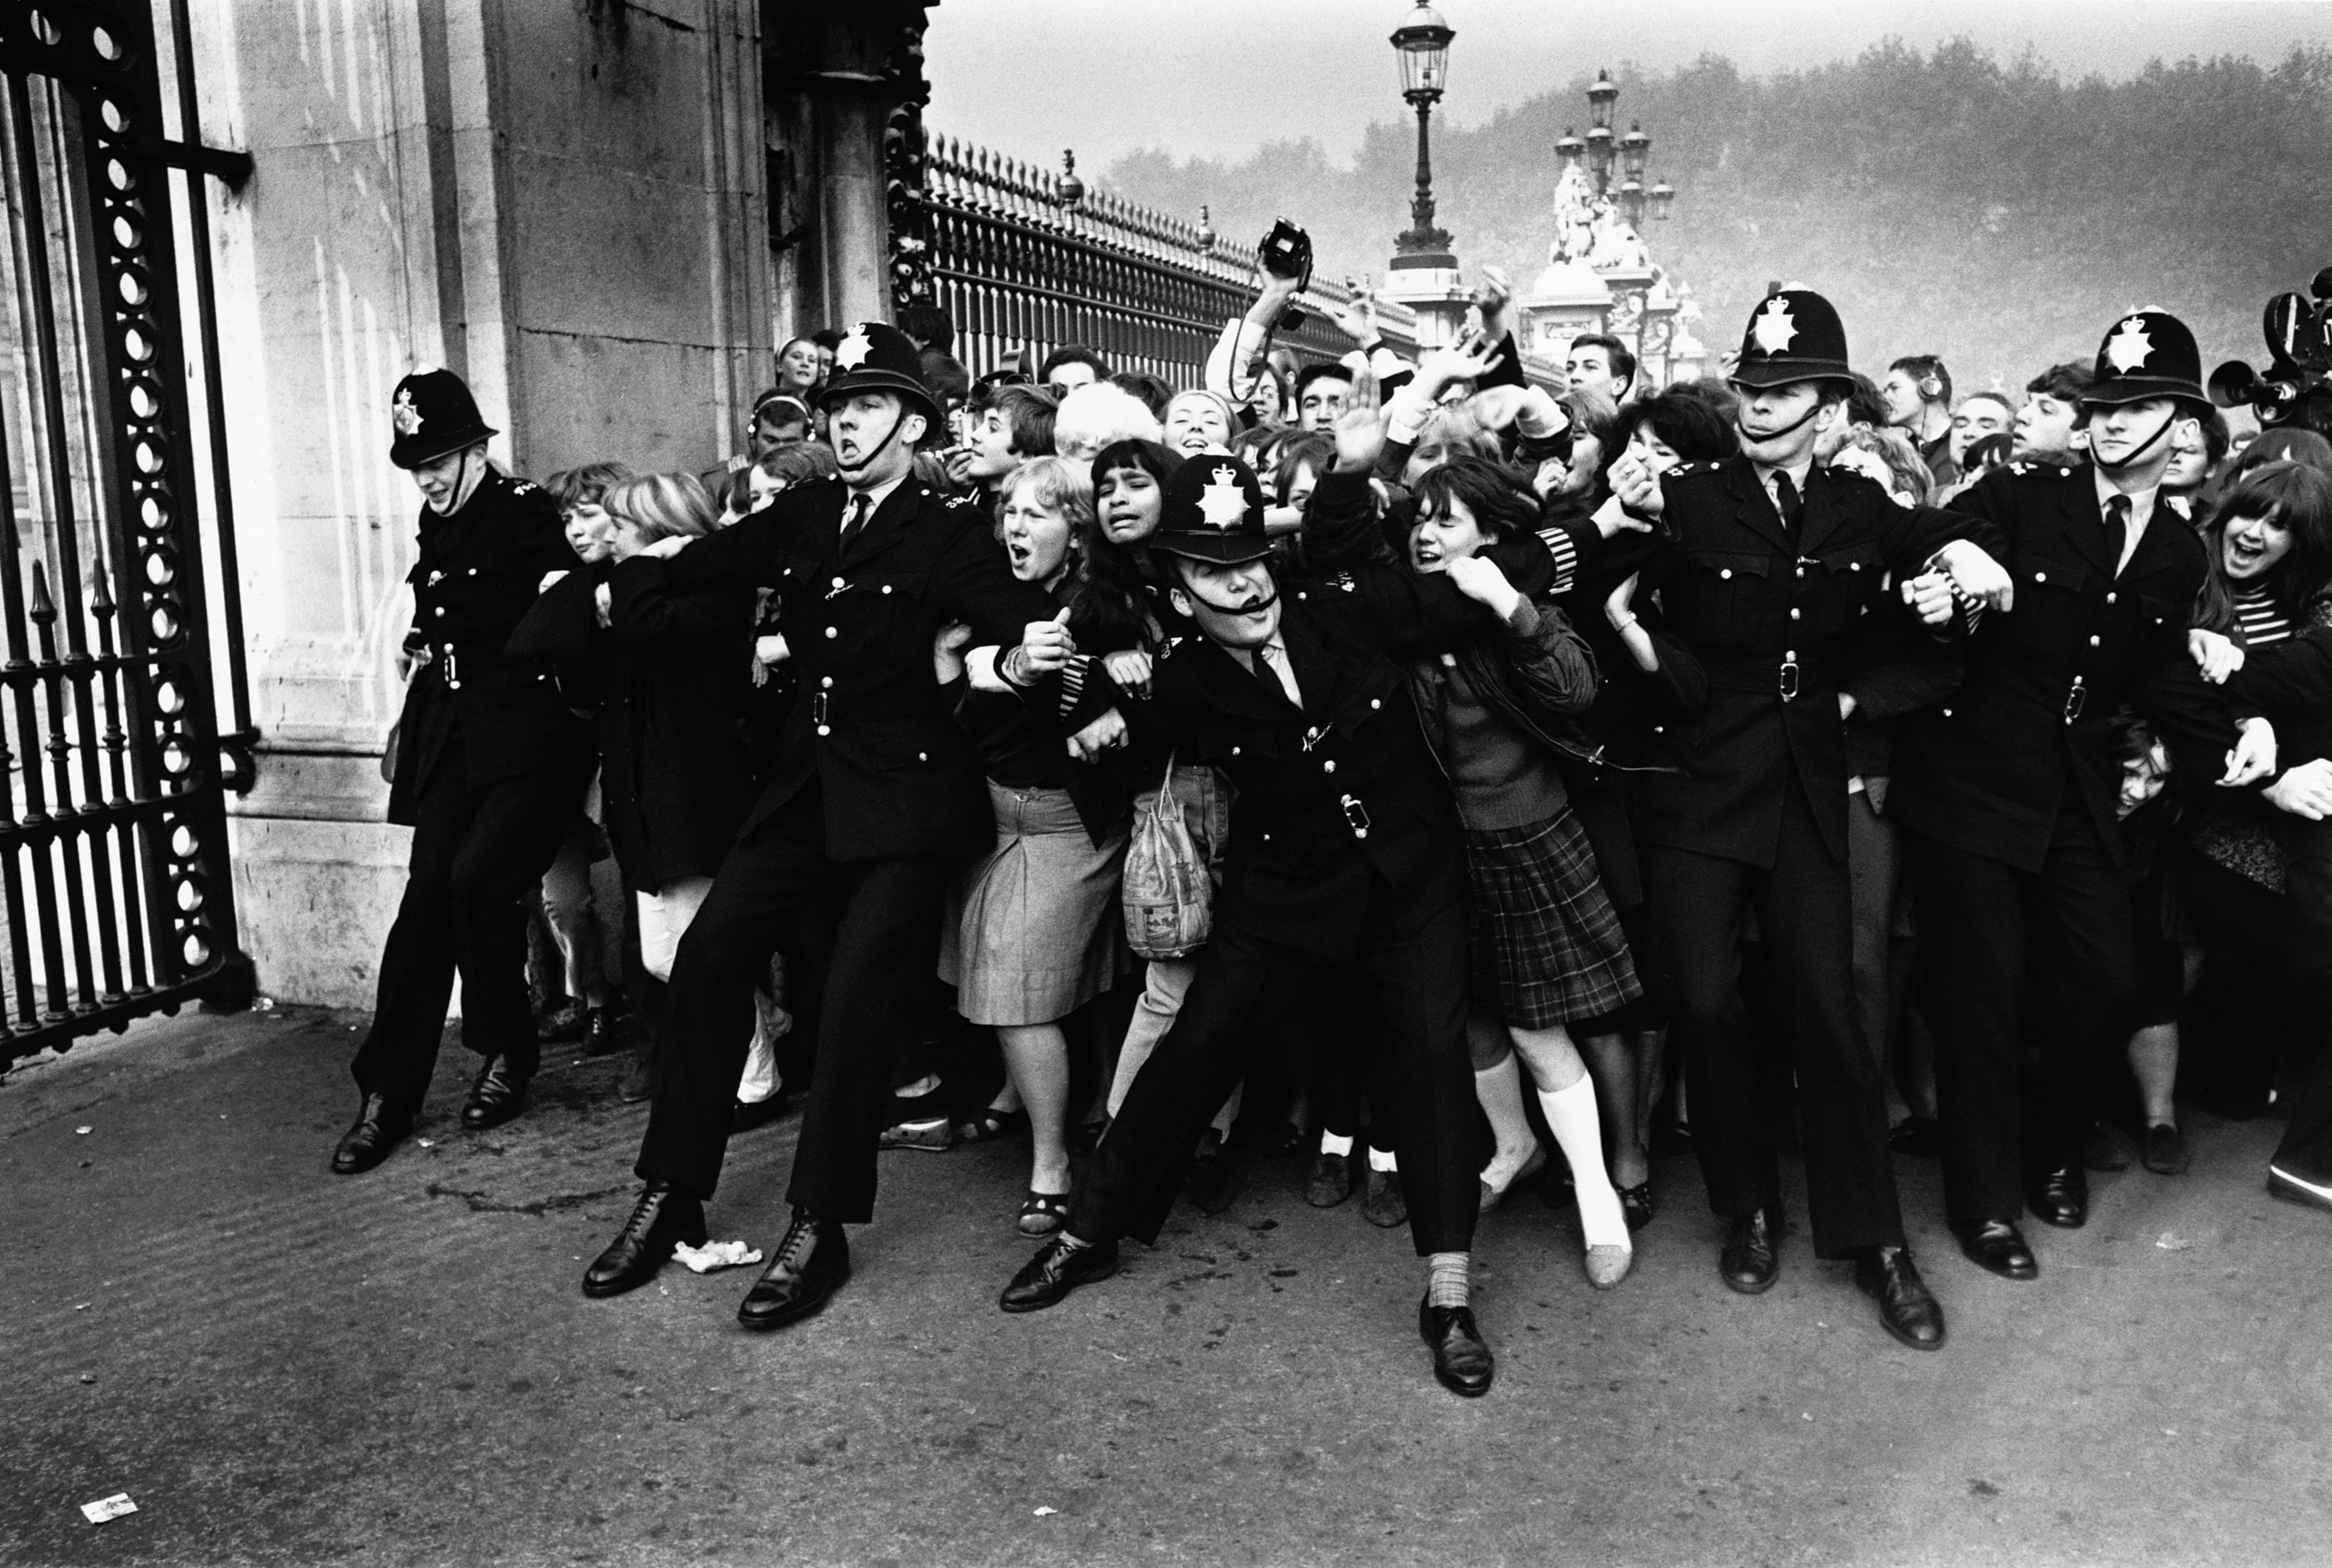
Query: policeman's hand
[1131, 669]
[2218, 656]
[946, 651]
[1980, 576]
[1638, 487]
[665, 548]
[1047, 645]
[1360, 440]
[2253, 757]
[2305, 791]
[1106, 733]
[1929, 595]
[1478, 578]
[547, 579]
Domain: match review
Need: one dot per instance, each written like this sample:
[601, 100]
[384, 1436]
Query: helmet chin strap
[852, 471]
[2118, 465]
[1790, 429]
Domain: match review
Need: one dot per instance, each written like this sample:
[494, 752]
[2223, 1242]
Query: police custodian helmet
[2148, 353]
[1794, 334]
[876, 357]
[1213, 511]
[435, 414]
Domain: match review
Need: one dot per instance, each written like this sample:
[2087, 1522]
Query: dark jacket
[669, 674]
[870, 726]
[1771, 625]
[1342, 792]
[2291, 682]
[474, 581]
[1989, 771]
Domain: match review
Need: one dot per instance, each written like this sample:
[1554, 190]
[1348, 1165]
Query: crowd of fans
[1706, 893]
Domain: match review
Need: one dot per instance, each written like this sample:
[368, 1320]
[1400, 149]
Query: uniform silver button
[825, 729]
[1235, 751]
[1796, 614]
[2040, 577]
[830, 631]
[922, 756]
[886, 587]
[841, 582]
[1725, 572]
[1947, 713]
[1375, 703]
[2093, 642]
[2109, 598]
[1328, 766]
[1659, 729]
[826, 681]
[439, 611]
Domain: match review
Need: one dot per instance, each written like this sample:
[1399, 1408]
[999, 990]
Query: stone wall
[560, 199]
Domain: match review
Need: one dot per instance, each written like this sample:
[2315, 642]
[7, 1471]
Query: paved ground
[281, 1366]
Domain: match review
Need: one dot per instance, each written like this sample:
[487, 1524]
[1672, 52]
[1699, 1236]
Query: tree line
[1998, 212]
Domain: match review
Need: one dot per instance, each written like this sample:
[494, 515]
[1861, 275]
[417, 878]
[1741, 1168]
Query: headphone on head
[1931, 384]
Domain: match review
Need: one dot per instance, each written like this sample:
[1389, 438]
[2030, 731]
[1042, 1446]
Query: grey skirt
[1038, 934]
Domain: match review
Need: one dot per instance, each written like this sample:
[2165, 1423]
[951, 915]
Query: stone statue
[1616, 243]
[1575, 211]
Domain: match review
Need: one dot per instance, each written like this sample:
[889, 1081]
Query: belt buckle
[818, 708]
[1356, 816]
[1789, 678]
[452, 669]
[2074, 698]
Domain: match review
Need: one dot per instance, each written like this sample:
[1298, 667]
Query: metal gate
[114, 883]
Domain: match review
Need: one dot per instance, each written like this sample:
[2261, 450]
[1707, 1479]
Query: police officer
[1766, 565]
[490, 769]
[1344, 851]
[2009, 790]
[874, 799]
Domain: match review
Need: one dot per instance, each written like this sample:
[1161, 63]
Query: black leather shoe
[811, 1264]
[2000, 1247]
[1210, 1182]
[1330, 1182]
[1057, 1270]
[1461, 1362]
[498, 1095]
[600, 1036]
[1752, 1258]
[2060, 1198]
[2163, 1152]
[377, 1130]
[2309, 1190]
[744, 1115]
[1921, 1137]
[1383, 1203]
[1908, 1309]
[664, 1215]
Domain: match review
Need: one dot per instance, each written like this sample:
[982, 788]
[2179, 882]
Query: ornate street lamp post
[1422, 43]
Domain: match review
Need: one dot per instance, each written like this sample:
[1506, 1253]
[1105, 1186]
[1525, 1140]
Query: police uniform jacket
[1771, 624]
[870, 725]
[1343, 790]
[667, 679]
[1989, 771]
[501, 717]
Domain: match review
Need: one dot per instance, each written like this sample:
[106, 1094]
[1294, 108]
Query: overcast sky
[1218, 77]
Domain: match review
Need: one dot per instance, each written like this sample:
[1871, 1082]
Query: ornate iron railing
[115, 891]
[1018, 256]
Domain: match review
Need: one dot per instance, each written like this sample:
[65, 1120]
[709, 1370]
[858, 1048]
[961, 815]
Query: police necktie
[1272, 671]
[2117, 530]
[860, 507]
[1790, 504]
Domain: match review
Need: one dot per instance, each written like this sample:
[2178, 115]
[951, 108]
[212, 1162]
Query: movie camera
[2299, 332]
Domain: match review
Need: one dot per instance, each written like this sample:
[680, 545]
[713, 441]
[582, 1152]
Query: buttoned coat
[1774, 627]
[1343, 789]
[475, 579]
[1988, 772]
[870, 725]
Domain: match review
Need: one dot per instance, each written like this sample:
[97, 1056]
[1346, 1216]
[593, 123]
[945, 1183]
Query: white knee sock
[1571, 1116]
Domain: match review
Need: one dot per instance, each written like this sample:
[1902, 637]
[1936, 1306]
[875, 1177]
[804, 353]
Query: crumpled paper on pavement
[714, 1255]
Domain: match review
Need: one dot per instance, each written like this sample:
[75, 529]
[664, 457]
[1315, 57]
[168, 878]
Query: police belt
[2073, 698]
[1783, 675]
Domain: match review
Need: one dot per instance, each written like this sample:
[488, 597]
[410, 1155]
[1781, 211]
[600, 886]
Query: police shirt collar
[2141, 502]
[878, 495]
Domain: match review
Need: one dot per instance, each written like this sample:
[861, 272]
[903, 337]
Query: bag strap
[1166, 786]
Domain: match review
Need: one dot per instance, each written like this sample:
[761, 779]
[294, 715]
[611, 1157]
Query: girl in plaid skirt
[1548, 944]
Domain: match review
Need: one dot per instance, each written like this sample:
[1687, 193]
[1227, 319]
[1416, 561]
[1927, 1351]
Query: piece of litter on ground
[105, 1508]
[89, 1377]
[81, 1306]
[714, 1255]
[1805, 1415]
[2170, 1241]
[84, 1132]
[426, 1143]
[2169, 1431]
[1041, 1512]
